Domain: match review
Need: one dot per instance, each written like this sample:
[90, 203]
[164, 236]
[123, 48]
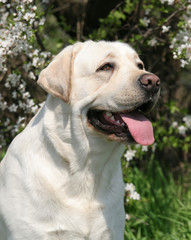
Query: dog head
[106, 83]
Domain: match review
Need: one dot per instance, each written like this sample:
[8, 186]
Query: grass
[164, 211]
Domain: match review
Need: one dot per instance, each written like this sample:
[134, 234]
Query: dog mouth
[130, 126]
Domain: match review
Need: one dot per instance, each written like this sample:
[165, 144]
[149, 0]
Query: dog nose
[150, 82]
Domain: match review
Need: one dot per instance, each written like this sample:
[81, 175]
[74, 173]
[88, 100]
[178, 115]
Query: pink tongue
[140, 127]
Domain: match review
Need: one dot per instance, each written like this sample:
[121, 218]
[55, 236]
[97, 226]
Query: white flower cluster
[165, 28]
[14, 33]
[21, 100]
[132, 194]
[130, 154]
[187, 120]
[127, 217]
[169, 2]
[153, 42]
[181, 42]
[145, 21]
[18, 60]
[16, 30]
[183, 128]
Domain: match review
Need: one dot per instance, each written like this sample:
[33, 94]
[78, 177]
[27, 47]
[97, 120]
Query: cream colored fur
[60, 178]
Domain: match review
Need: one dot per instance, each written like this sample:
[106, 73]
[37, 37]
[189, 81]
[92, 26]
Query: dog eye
[106, 67]
[140, 66]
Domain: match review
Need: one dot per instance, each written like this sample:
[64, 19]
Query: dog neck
[89, 158]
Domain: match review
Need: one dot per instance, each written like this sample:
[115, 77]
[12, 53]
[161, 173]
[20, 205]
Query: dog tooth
[112, 118]
[118, 121]
[123, 124]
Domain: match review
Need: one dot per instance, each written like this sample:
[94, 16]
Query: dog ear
[56, 77]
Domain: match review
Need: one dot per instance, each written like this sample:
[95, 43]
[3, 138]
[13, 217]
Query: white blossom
[181, 42]
[147, 11]
[183, 63]
[13, 79]
[22, 105]
[34, 109]
[129, 155]
[134, 196]
[182, 130]
[175, 55]
[14, 94]
[165, 28]
[13, 107]
[6, 123]
[35, 61]
[31, 75]
[29, 17]
[42, 21]
[30, 102]
[175, 124]
[26, 95]
[153, 42]
[129, 187]
[15, 41]
[7, 85]
[3, 105]
[144, 148]
[132, 192]
[187, 120]
[169, 2]
[145, 21]
[127, 217]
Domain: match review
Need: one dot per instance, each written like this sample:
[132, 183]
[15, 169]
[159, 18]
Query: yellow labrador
[61, 177]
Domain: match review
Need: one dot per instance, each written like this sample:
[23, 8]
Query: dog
[61, 177]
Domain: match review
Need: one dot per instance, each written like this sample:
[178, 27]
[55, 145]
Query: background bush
[32, 32]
